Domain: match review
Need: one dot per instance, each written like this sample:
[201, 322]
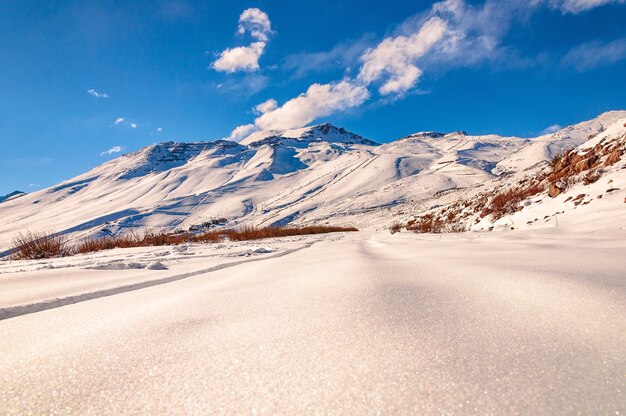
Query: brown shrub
[455, 228]
[33, 246]
[427, 223]
[395, 227]
[96, 244]
[508, 202]
[430, 224]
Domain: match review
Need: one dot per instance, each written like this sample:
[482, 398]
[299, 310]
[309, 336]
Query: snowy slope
[317, 174]
[528, 323]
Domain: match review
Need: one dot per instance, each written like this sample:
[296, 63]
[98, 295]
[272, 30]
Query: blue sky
[82, 82]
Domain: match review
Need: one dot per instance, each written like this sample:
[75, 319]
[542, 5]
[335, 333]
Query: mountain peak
[435, 134]
[12, 195]
[321, 132]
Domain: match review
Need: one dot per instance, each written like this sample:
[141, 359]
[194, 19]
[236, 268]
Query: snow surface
[526, 322]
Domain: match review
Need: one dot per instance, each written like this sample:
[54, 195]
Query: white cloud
[114, 149]
[394, 59]
[159, 130]
[241, 132]
[579, 6]
[97, 94]
[242, 58]
[246, 58]
[256, 22]
[318, 101]
[34, 185]
[552, 129]
[121, 121]
[595, 54]
[265, 106]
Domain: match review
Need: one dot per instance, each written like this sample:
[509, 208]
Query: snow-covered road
[501, 323]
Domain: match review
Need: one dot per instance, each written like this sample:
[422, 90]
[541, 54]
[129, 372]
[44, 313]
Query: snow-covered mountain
[319, 174]
[12, 195]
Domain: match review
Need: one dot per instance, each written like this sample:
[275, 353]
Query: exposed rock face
[553, 191]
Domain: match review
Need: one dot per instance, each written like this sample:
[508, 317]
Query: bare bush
[32, 246]
[395, 227]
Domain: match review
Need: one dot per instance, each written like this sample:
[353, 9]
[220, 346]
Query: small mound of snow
[261, 250]
[118, 266]
[157, 265]
[257, 250]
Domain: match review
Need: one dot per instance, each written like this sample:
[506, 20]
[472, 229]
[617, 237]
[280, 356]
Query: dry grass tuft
[395, 227]
[252, 233]
[34, 246]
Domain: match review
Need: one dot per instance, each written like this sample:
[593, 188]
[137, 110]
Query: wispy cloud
[173, 10]
[578, 6]
[244, 86]
[342, 56]
[123, 121]
[246, 58]
[595, 54]
[97, 94]
[552, 129]
[114, 149]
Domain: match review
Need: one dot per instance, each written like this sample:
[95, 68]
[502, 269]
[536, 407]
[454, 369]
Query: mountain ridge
[315, 175]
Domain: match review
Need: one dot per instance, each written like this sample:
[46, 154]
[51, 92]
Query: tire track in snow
[15, 311]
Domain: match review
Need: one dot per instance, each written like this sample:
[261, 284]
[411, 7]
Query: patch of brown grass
[508, 201]
[33, 246]
[253, 233]
[40, 246]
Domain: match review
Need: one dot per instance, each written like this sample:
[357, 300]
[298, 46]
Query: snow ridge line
[15, 311]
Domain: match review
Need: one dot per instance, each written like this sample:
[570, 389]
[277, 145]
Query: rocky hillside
[577, 185]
